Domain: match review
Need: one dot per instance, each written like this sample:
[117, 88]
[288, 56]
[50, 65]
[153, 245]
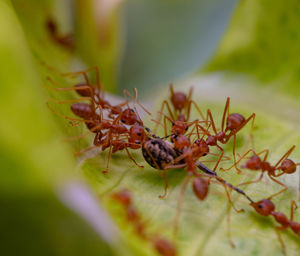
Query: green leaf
[263, 41]
[203, 225]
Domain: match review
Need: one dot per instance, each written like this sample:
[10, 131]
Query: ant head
[234, 121]
[129, 117]
[264, 207]
[137, 132]
[288, 166]
[201, 147]
[181, 141]
[178, 100]
[254, 163]
[123, 196]
[179, 127]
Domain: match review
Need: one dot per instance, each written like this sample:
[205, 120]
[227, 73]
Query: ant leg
[126, 92]
[165, 124]
[233, 151]
[191, 102]
[81, 87]
[209, 116]
[68, 101]
[132, 159]
[166, 185]
[160, 113]
[285, 156]
[230, 201]
[281, 191]
[228, 220]
[176, 220]
[253, 181]
[177, 166]
[188, 106]
[77, 73]
[241, 158]
[283, 248]
[108, 158]
[219, 160]
[226, 110]
[293, 209]
[85, 150]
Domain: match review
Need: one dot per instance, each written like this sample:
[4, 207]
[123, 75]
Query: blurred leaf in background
[263, 41]
[168, 39]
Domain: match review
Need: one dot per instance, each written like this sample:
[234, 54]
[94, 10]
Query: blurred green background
[50, 204]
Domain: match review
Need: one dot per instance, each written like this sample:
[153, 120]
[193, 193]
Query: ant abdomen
[234, 120]
[86, 92]
[288, 166]
[81, 109]
[178, 100]
[200, 187]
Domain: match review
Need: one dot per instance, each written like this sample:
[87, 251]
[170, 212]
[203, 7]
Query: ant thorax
[158, 153]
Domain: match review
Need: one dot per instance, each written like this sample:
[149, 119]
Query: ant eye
[260, 206]
[139, 134]
[173, 123]
[186, 128]
[137, 142]
[131, 110]
[123, 121]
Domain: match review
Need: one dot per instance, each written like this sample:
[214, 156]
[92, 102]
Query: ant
[179, 102]
[266, 207]
[107, 131]
[162, 245]
[66, 41]
[234, 123]
[284, 166]
[190, 155]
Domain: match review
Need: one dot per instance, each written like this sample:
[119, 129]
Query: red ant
[265, 207]
[179, 102]
[234, 123]
[163, 246]
[284, 166]
[96, 123]
[66, 41]
[190, 155]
